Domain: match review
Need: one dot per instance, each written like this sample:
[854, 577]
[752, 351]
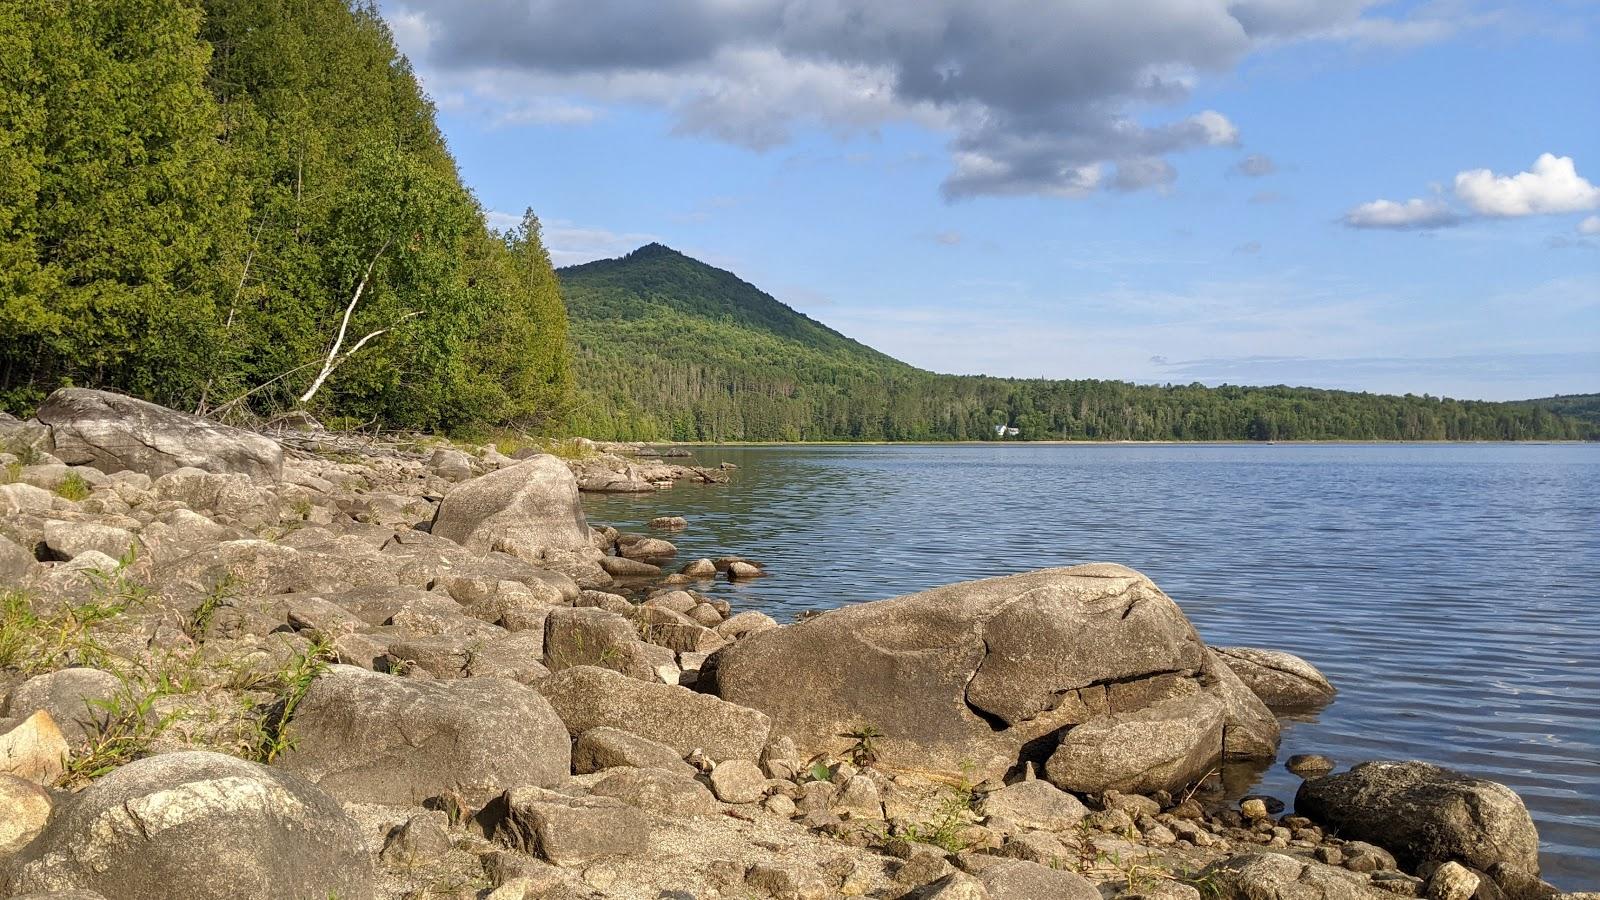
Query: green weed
[200, 620]
[129, 726]
[864, 752]
[73, 487]
[271, 737]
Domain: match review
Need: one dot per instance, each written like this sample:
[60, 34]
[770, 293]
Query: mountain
[665, 347]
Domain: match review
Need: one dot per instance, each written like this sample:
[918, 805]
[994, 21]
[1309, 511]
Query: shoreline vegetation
[420, 672]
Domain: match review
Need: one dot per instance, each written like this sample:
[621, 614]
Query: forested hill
[667, 347]
[1584, 407]
[192, 192]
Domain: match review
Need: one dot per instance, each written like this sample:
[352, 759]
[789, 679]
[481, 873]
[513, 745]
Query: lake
[1450, 591]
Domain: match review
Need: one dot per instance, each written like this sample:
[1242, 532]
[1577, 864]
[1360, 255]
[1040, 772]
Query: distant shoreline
[1083, 443]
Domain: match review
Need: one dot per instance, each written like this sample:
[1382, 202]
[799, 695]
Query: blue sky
[1259, 192]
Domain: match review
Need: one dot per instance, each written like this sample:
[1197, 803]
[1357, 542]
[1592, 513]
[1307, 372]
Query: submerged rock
[1422, 812]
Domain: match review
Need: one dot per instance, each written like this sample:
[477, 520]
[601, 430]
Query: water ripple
[1449, 591]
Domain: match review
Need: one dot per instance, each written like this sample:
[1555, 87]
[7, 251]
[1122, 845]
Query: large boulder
[588, 697]
[199, 826]
[1161, 747]
[374, 738]
[523, 510]
[1282, 680]
[113, 433]
[961, 678]
[1422, 812]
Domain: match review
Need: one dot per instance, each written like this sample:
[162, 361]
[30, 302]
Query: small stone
[780, 806]
[738, 781]
[421, 839]
[1254, 809]
[859, 799]
[921, 870]
[1360, 856]
[669, 523]
[741, 570]
[1329, 855]
[1309, 765]
[1034, 804]
[34, 750]
[787, 881]
[1452, 881]
[567, 830]
[700, 568]
[656, 790]
[1273, 804]
[27, 809]
[1397, 883]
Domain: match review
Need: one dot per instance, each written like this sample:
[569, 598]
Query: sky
[1395, 197]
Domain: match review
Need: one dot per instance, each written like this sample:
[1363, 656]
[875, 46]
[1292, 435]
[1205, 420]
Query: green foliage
[73, 487]
[128, 724]
[272, 737]
[1585, 407]
[34, 642]
[191, 192]
[864, 752]
[199, 621]
[668, 348]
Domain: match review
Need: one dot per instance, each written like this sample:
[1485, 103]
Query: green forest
[668, 348]
[192, 192]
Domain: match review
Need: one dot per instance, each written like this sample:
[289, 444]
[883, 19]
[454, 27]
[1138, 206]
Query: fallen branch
[334, 359]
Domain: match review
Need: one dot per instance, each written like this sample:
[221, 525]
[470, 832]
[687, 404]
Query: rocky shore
[239, 665]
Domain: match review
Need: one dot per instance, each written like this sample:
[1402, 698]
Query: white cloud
[1553, 185]
[1412, 214]
[1590, 225]
[1036, 97]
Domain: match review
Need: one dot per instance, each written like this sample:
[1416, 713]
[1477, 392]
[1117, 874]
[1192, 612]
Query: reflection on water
[1449, 591]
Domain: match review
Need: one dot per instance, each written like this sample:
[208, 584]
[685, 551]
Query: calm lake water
[1451, 592]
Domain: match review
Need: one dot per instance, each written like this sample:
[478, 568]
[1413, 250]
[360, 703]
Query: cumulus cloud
[1410, 215]
[1036, 96]
[1553, 185]
[1591, 225]
[1255, 165]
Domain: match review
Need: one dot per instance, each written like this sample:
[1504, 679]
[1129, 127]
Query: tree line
[198, 198]
[668, 348]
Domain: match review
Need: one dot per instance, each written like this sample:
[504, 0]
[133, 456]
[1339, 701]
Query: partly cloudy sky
[1396, 196]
